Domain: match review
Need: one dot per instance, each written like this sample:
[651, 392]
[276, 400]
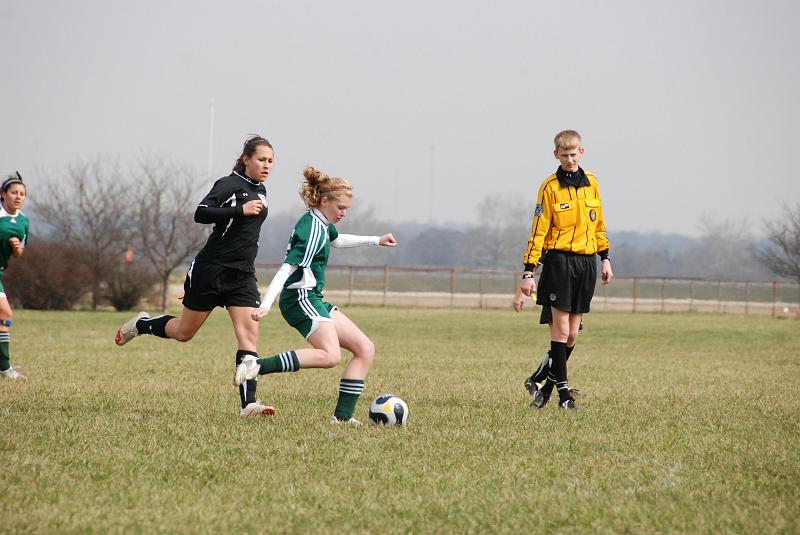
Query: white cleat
[12, 373]
[351, 421]
[256, 409]
[247, 370]
[128, 332]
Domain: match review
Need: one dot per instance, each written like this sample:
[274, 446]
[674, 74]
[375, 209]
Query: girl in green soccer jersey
[13, 236]
[300, 281]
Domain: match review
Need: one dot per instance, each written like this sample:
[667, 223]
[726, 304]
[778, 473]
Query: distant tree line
[111, 236]
[498, 237]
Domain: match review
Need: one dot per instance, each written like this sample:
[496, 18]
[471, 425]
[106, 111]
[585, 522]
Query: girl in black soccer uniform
[222, 274]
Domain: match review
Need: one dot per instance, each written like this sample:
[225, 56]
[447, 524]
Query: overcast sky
[687, 108]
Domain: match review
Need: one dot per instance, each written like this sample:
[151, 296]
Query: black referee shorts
[567, 281]
[210, 285]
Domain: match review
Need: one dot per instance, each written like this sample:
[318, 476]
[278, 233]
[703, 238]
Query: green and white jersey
[11, 226]
[309, 248]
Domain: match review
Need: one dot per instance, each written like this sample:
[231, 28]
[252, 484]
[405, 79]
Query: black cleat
[540, 399]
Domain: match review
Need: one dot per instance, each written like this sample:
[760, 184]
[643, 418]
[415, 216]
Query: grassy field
[688, 424]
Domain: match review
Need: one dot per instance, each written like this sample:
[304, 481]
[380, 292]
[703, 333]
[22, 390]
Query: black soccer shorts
[210, 285]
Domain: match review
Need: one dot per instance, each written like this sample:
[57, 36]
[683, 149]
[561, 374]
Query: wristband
[527, 275]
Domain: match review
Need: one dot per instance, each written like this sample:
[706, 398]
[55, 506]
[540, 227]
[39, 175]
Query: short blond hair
[317, 185]
[567, 139]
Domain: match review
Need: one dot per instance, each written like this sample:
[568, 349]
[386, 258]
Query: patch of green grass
[688, 424]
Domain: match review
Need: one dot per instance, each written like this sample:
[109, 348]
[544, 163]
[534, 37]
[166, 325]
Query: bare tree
[500, 234]
[781, 254]
[167, 233]
[91, 210]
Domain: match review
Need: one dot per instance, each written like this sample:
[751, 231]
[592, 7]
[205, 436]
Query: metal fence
[492, 288]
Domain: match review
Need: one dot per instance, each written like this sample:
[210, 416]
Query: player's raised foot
[256, 409]
[568, 404]
[128, 332]
[12, 373]
[540, 399]
[248, 369]
[351, 421]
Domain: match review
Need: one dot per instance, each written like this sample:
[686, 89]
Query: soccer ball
[388, 410]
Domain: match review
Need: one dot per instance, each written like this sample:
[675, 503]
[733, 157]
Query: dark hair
[248, 150]
[14, 178]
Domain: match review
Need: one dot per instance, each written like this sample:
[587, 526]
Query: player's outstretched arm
[343, 241]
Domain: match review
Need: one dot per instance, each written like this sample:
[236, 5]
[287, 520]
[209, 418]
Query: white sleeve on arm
[351, 240]
[276, 285]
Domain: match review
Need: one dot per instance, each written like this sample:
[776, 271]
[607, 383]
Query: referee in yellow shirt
[568, 230]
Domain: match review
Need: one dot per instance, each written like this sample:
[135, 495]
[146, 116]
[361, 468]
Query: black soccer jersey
[234, 241]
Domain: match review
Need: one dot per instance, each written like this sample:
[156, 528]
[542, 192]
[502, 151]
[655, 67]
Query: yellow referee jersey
[567, 219]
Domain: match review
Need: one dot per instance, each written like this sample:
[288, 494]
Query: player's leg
[201, 296]
[246, 332]
[351, 385]
[6, 371]
[559, 333]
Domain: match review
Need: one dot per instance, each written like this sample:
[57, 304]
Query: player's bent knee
[181, 336]
[332, 358]
[365, 350]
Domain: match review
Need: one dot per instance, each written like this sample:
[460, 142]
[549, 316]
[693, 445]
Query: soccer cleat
[540, 399]
[247, 370]
[12, 373]
[531, 386]
[256, 409]
[351, 421]
[128, 332]
[568, 404]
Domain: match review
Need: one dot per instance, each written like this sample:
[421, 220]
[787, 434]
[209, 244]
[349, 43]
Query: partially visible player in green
[568, 230]
[14, 228]
[300, 281]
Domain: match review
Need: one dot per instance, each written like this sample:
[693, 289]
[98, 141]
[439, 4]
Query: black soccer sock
[543, 372]
[559, 365]
[5, 357]
[247, 390]
[156, 326]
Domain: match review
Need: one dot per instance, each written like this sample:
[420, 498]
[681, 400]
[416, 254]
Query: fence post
[691, 295]
[663, 287]
[774, 296]
[719, 296]
[635, 292]
[452, 285]
[350, 287]
[480, 289]
[385, 282]
[746, 297]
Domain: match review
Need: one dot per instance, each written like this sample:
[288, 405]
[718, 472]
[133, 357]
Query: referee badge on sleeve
[538, 211]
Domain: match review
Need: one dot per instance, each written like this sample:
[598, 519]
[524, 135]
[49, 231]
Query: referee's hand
[527, 286]
[607, 274]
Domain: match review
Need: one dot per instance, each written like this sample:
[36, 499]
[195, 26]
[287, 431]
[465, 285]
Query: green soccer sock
[349, 391]
[283, 362]
[5, 357]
